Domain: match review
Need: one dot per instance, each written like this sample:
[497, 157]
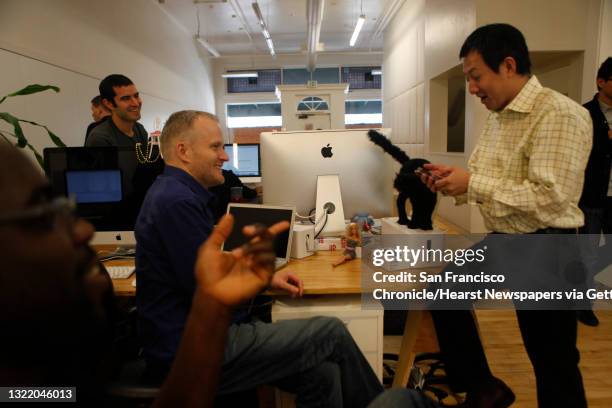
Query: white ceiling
[221, 24]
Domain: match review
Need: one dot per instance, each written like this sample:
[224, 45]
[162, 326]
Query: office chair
[131, 389]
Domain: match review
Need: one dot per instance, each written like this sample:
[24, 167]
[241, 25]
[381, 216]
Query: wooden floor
[509, 361]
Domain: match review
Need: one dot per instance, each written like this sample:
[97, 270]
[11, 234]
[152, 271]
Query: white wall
[403, 76]
[74, 44]
[221, 65]
[423, 41]
[605, 37]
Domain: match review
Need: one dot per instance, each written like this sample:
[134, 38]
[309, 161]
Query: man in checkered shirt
[525, 175]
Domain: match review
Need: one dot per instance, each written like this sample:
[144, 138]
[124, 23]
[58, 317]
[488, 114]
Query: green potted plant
[21, 141]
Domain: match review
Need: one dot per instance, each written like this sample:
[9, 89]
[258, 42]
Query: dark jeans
[317, 359]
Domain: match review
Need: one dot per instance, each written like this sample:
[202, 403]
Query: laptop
[248, 214]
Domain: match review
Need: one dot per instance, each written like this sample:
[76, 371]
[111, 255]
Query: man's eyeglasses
[42, 216]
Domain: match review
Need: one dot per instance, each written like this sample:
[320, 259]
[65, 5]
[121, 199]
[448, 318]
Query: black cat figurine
[409, 186]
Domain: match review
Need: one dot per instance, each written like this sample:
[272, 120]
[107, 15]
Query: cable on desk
[308, 217]
[324, 224]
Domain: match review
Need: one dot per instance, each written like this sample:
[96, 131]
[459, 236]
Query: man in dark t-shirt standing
[120, 96]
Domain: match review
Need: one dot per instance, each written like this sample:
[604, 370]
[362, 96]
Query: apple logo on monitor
[326, 151]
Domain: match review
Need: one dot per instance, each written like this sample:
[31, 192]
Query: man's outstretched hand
[234, 277]
[449, 180]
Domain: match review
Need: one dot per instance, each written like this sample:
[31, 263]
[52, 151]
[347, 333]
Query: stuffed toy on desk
[409, 186]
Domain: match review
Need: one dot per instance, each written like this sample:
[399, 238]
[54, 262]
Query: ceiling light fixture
[264, 28]
[240, 74]
[314, 20]
[358, 27]
[208, 47]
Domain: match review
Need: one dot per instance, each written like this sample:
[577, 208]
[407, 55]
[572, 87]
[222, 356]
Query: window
[295, 76]
[300, 76]
[363, 112]
[266, 81]
[361, 77]
[241, 115]
[312, 103]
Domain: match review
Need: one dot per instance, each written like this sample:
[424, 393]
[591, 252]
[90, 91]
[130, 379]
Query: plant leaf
[58, 142]
[7, 117]
[39, 158]
[34, 88]
[30, 89]
[54, 138]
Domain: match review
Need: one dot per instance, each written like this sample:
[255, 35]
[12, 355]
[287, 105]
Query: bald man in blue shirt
[316, 359]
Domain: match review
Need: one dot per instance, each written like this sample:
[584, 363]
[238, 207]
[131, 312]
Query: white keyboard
[120, 272]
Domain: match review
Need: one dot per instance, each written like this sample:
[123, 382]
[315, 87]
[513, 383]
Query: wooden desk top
[321, 278]
[316, 271]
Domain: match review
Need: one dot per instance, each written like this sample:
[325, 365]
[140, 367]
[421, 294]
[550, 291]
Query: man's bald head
[179, 127]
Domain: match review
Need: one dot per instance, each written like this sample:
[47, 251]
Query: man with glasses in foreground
[56, 300]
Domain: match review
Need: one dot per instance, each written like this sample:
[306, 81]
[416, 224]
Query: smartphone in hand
[421, 171]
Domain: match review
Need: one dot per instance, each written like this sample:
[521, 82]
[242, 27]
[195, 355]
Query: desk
[320, 278]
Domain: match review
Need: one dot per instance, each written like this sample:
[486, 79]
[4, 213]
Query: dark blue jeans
[316, 359]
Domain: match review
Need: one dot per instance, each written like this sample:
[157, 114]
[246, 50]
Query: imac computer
[243, 161]
[292, 162]
[108, 183]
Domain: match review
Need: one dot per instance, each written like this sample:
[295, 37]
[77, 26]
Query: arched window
[311, 104]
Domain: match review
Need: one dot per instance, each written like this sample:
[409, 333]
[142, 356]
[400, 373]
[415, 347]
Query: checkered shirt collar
[524, 101]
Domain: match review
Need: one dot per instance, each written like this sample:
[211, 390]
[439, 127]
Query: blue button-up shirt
[175, 219]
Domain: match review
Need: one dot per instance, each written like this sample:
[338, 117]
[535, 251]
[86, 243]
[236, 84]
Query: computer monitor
[243, 161]
[291, 162]
[249, 214]
[108, 183]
